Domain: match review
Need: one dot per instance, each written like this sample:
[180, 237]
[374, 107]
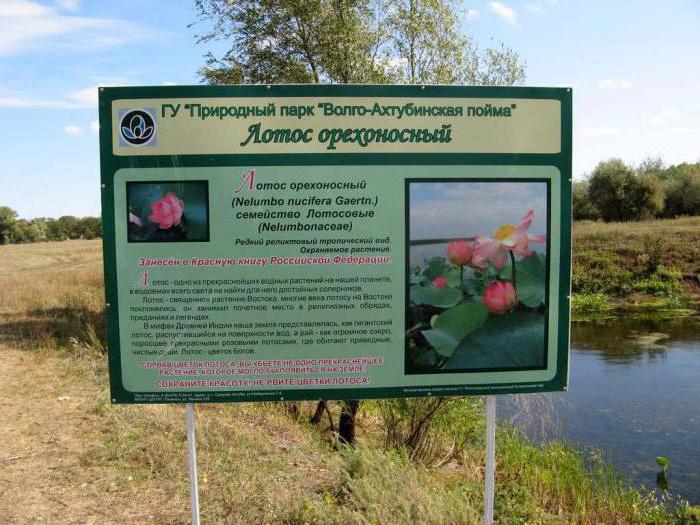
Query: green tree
[427, 47]
[36, 231]
[620, 194]
[682, 190]
[8, 217]
[295, 41]
[646, 197]
[583, 208]
[348, 41]
[28, 231]
[90, 228]
[652, 166]
[54, 230]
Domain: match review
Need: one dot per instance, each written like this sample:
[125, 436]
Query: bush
[582, 207]
[683, 194]
[653, 253]
[8, 217]
[665, 282]
[432, 431]
[621, 195]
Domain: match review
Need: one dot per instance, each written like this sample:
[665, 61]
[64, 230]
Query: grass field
[645, 266]
[69, 456]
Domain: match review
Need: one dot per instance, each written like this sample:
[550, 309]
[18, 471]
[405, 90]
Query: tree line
[14, 230]
[616, 191]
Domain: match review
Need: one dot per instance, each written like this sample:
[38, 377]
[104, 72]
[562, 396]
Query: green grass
[590, 303]
[258, 465]
[624, 264]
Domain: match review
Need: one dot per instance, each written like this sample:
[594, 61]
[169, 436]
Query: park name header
[283, 125]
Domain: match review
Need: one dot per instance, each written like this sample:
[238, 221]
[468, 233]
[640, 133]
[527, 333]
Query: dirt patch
[46, 425]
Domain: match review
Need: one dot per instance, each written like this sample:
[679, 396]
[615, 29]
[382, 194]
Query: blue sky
[468, 209]
[449, 210]
[634, 67]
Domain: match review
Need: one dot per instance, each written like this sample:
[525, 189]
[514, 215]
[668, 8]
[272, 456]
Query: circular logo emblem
[137, 127]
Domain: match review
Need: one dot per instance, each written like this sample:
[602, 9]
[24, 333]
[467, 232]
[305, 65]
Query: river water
[634, 393]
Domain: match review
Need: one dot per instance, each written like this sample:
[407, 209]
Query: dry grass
[50, 292]
[680, 238]
[49, 255]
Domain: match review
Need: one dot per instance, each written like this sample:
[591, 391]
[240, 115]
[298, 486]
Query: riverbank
[636, 268]
[257, 463]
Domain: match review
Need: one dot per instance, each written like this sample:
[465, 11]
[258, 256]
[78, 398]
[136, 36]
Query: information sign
[304, 242]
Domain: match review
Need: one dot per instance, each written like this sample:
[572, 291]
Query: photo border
[407, 266]
[129, 183]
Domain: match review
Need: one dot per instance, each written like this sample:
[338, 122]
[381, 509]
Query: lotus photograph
[173, 211]
[477, 276]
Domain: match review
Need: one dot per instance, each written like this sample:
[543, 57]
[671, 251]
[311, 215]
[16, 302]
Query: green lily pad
[444, 297]
[531, 273]
[474, 287]
[452, 276]
[512, 340]
[435, 267]
[453, 325]
[415, 278]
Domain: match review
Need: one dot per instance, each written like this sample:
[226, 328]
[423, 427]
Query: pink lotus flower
[507, 237]
[459, 253]
[439, 282]
[167, 211]
[135, 220]
[500, 297]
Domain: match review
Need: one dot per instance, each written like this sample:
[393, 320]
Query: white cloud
[27, 25]
[73, 130]
[19, 102]
[665, 116]
[601, 131]
[85, 97]
[68, 5]
[683, 131]
[467, 209]
[508, 14]
[22, 8]
[472, 13]
[168, 83]
[611, 83]
[82, 98]
[95, 127]
[539, 7]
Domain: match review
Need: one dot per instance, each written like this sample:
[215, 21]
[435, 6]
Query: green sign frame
[115, 161]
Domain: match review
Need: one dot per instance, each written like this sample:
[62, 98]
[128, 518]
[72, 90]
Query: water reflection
[635, 393]
[632, 340]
